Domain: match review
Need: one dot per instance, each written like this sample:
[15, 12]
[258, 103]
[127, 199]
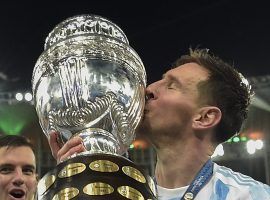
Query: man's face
[172, 102]
[17, 173]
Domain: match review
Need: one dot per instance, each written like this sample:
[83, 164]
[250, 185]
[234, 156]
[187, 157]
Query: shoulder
[234, 178]
[239, 183]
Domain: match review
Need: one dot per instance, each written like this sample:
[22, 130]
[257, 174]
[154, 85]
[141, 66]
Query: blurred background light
[236, 139]
[14, 118]
[219, 151]
[28, 96]
[19, 96]
[251, 146]
[259, 144]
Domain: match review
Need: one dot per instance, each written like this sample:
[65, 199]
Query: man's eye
[171, 86]
[28, 171]
[5, 170]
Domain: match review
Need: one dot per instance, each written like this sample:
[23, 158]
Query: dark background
[237, 31]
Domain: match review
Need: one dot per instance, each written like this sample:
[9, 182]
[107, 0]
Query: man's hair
[15, 141]
[225, 88]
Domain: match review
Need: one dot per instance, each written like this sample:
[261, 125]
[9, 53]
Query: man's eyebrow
[11, 165]
[171, 77]
[29, 166]
[6, 165]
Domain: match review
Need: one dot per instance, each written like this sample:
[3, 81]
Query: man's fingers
[68, 147]
[62, 152]
[71, 151]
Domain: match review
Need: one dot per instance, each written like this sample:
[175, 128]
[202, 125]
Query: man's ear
[206, 117]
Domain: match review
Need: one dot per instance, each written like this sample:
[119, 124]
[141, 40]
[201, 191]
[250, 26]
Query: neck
[178, 165]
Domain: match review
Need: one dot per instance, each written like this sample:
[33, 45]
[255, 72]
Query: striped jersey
[225, 184]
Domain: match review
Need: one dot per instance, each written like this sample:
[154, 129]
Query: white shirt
[225, 184]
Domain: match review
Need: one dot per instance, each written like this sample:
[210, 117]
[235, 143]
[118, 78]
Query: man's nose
[18, 178]
[151, 91]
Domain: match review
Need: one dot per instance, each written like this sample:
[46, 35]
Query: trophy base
[97, 177]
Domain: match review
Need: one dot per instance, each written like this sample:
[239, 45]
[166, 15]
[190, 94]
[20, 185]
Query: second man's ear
[207, 117]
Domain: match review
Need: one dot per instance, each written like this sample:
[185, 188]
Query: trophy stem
[97, 140]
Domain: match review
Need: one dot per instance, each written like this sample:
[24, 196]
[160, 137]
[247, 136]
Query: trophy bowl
[89, 82]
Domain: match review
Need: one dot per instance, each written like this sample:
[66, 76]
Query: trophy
[89, 82]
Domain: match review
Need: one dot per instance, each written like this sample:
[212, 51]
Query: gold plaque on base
[98, 188]
[66, 194]
[104, 166]
[71, 170]
[134, 173]
[130, 193]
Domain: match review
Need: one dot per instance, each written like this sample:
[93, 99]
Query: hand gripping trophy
[90, 83]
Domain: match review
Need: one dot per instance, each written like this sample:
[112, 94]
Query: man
[18, 178]
[198, 104]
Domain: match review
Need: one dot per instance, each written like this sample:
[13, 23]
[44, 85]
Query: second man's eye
[5, 170]
[28, 171]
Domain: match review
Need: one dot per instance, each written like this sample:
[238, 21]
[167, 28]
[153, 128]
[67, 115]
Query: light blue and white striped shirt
[225, 184]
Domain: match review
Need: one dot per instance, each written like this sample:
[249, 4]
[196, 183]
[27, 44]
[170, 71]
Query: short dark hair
[225, 88]
[15, 141]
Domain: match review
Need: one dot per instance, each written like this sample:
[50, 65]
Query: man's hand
[62, 152]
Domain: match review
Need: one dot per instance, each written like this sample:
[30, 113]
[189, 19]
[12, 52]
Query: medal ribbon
[199, 181]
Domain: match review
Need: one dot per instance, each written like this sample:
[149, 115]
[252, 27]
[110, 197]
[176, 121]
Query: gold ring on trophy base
[71, 170]
[98, 188]
[66, 194]
[45, 183]
[103, 166]
[188, 196]
[130, 193]
[134, 173]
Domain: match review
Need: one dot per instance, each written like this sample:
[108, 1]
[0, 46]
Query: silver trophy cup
[90, 83]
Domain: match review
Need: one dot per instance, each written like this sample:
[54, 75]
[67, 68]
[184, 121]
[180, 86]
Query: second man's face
[18, 179]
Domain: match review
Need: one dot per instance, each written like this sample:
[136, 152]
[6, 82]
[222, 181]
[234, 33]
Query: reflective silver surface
[89, 82]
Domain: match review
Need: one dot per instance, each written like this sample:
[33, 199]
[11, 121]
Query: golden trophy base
[97, 177]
